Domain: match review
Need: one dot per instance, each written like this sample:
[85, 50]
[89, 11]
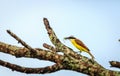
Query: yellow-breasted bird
[79, 45]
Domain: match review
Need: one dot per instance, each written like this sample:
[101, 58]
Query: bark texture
[70, 60]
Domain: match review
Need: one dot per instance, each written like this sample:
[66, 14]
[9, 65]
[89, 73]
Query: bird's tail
[91, 55]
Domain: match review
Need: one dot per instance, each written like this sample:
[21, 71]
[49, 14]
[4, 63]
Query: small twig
[115, 64]
[50, 47]
[48, 69]
[21, 41]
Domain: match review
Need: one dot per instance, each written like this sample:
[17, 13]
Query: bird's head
[70, 37]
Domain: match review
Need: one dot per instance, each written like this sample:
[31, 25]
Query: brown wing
[81, 44]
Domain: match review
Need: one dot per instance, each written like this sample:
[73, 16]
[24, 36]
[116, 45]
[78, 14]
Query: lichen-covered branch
[24, 52]
[70, 60]
[57, 43]
[50, 47]
[48, 69]
[21, 41]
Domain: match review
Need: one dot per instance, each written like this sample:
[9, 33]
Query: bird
[79, 45]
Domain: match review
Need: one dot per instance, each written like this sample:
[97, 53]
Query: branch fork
[69, 61]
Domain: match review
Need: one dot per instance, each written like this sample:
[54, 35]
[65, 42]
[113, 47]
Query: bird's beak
[66, 38]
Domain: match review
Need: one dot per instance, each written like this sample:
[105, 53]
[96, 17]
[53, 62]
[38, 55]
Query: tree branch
[21, 41]
[58, 44]
[69, 61]
[50, 47]
[48, 69]
[24, 52]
